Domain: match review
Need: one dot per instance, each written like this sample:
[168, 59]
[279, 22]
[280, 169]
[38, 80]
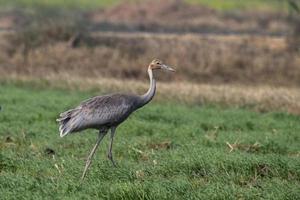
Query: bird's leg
[90, 157]
[109, 155]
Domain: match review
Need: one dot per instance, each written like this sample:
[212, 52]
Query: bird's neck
[147, 97]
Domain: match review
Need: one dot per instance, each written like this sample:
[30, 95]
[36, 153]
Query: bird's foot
[114, 164]
[109, 156]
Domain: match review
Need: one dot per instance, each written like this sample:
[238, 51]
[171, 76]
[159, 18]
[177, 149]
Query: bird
[107, 112]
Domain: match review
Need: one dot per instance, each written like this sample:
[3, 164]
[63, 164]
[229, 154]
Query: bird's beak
[166, 67]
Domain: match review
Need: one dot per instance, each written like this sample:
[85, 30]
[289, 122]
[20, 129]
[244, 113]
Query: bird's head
[158, 64]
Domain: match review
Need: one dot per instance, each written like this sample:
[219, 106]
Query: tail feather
[67, 122]
[64, 127]
[68, 112]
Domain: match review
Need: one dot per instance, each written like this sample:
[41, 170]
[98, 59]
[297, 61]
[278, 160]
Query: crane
[106, 112]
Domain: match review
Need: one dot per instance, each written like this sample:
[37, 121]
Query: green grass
[164, 151]
[82, 4]
[92, 4]
[242, 4]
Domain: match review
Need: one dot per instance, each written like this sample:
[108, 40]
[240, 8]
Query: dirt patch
[10, 19]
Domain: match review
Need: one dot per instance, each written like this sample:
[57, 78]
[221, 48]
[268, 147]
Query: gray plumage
[106, 112]
[100, 112]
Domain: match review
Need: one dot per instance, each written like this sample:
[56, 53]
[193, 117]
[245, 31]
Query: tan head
[158, 64]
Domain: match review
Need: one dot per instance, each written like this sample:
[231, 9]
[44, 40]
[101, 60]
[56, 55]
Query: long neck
[147, 97]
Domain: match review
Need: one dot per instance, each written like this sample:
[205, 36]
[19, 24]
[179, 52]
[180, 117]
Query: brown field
[246, 59]
[181, 17]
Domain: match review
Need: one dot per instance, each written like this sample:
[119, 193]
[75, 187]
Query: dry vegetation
[261, 99]
[199, 59]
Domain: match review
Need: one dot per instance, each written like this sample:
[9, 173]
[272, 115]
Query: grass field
[60, 4]
[92, 4]
[163, 151]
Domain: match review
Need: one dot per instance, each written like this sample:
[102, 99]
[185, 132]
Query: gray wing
[108, 109]
[99, 111]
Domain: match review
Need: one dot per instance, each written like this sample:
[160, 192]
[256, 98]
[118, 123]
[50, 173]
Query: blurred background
[230, 51]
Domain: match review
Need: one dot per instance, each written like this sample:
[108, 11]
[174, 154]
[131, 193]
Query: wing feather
[96, 112]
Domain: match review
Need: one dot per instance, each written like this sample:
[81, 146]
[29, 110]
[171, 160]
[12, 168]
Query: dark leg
[90, 157]
[109, 155]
